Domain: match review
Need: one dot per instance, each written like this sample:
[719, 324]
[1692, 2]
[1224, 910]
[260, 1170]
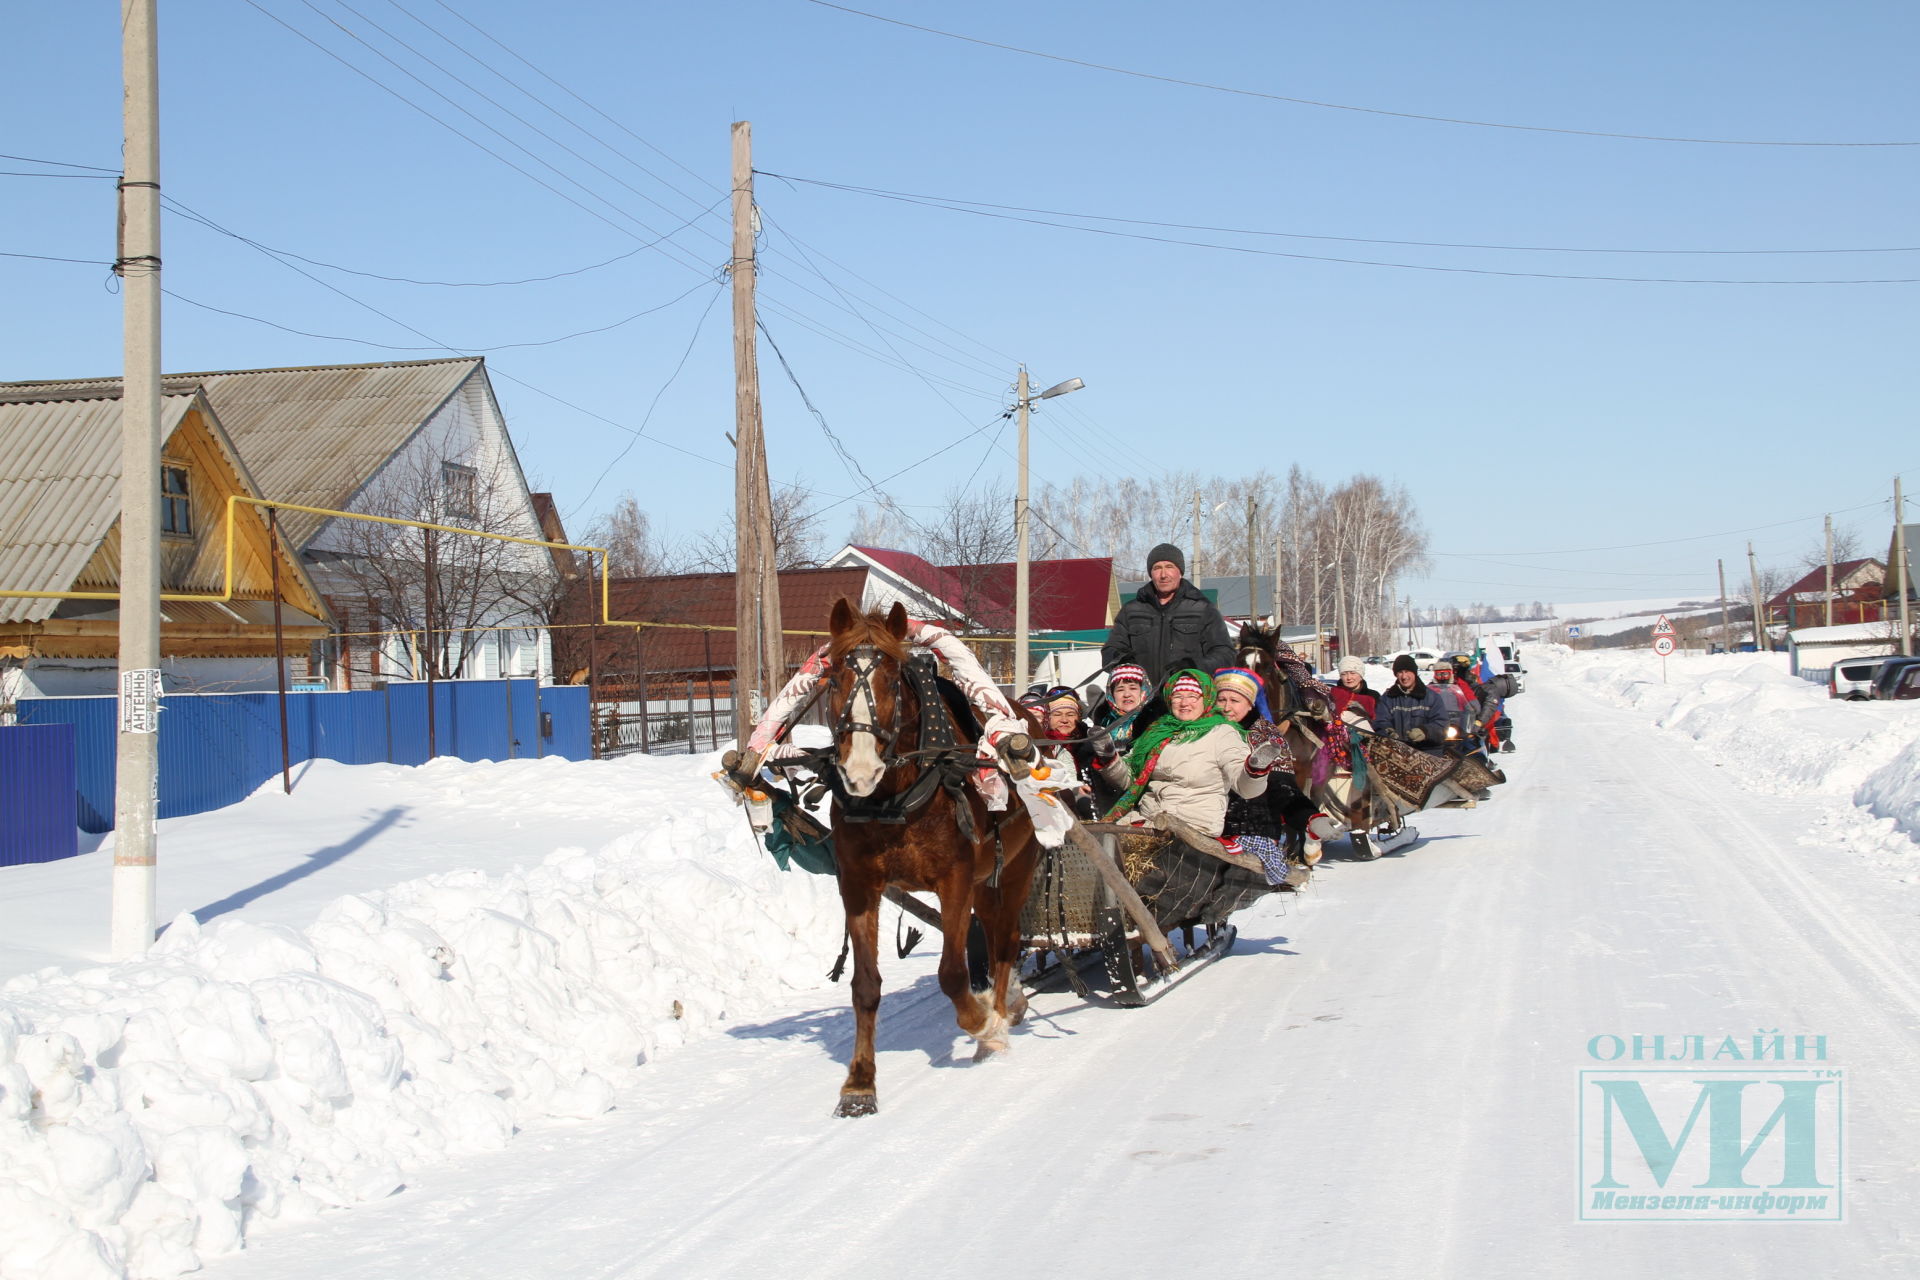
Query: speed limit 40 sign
[1663, 645]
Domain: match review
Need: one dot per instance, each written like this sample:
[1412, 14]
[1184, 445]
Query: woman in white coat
[1184, 764]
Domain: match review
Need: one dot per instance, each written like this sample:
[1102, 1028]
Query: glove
[1416, 735]
[1102, 743]
[1261, 758]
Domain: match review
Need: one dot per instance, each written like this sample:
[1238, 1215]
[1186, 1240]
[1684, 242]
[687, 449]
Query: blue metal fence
[37, 775]
[216, 748]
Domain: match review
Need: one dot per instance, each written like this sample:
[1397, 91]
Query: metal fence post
[713, 715]
[644, 691]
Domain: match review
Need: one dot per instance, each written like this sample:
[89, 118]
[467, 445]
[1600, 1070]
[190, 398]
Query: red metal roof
[1816, 579]
[1062, 595]
[702, 600]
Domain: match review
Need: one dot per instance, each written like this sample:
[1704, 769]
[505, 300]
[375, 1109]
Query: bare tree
[796, 536]
[1846, 546]
[417, 583]
[634, 548]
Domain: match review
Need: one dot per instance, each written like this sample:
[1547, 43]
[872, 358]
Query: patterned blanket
[1411, 774]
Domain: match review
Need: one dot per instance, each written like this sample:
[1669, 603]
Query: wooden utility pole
[1829, 618]
[1253, 562]
[758, 659]
[1902, 572]
[137, 748]
[1727, 628]
[1759, 605]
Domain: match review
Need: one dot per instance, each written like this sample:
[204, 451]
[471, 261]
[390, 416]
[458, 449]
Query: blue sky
[1528, 416]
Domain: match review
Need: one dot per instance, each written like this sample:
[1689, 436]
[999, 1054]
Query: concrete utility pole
[1759, 605]
[1340, 600]
[137, 751]
[1727, 628]
[1194, 560]
[1253, 564]
[1902, 572]
[1279, 566]
[1829, 618]
[758, 657]
[1319, 648]
[1021, 564]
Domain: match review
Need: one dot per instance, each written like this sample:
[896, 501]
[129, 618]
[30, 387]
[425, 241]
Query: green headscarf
[1170, 729]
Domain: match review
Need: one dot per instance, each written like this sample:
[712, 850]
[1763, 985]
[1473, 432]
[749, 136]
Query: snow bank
[1779, 732]
[153, 1112]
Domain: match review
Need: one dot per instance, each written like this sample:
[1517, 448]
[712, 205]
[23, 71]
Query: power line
[1341, 106]
[521, 119]
[183, 210]
[63, 164]
[957, 201]
[665, 249]
[987, 212]
[435, 346]
[638, 434]
[920, 462]
[41, 257]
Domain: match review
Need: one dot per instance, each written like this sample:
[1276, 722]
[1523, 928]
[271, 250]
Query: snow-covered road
[1381, 1081]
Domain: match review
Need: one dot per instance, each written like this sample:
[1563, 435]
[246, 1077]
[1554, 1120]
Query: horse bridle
[862, 662]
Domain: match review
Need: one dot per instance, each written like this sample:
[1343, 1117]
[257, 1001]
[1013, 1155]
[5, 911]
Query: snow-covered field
[544, 1018]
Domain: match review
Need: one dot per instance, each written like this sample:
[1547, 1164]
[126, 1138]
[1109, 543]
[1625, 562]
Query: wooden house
[60, 494]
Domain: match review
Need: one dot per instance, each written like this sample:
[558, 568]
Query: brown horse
[876, 729]
[1298, 709]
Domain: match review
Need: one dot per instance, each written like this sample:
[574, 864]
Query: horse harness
[943, 761]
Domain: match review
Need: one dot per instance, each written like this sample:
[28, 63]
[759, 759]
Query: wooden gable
[196, 564]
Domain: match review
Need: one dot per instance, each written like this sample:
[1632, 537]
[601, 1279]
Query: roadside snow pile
[1780, 732]
[153, 1112]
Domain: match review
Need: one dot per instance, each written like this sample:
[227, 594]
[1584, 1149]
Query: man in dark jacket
[1410, 711]
[1169, 625]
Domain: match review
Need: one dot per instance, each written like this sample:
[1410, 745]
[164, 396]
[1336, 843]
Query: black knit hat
[1166, 551]
[1405, 662]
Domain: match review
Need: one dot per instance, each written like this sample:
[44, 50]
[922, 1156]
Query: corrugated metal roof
[701, 599]
[308, 435]
[60, 490]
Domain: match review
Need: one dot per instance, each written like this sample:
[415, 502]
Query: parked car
[1890, 673]
[1852, 678]
[1909, 683]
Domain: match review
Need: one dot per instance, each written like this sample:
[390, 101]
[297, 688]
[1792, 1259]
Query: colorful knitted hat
[1246, 683]
[1186, 682]
[1128, 671]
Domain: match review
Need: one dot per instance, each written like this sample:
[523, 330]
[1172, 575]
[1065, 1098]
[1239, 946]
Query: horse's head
[1259, 643]
[865, 692]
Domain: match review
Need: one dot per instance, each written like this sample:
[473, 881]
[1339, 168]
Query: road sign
[1663, 645]
[1573, 633]
[1662, 627]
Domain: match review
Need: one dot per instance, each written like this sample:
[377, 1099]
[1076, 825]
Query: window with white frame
[459, 490]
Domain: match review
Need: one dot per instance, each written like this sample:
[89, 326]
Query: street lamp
[1023, 401]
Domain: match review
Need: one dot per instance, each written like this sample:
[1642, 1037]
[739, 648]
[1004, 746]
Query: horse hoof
[1016, 1012]
[988, 1049]
[853, 1105]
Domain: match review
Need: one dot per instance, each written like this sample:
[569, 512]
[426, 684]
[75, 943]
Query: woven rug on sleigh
[1408, 772]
